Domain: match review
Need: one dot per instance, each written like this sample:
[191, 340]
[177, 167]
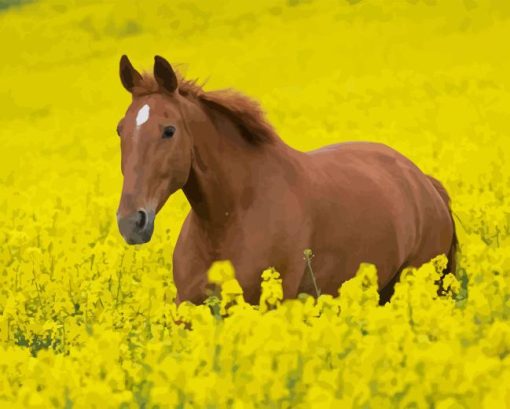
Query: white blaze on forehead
[143, 115]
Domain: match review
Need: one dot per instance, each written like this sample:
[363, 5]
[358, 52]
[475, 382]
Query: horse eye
[168, 132]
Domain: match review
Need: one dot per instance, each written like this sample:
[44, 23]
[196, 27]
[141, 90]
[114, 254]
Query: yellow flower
[272, 292]
[220, 271]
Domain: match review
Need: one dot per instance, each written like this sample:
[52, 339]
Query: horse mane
[240, 109]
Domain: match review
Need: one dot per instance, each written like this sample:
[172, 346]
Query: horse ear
[128, 75]
[164, 74]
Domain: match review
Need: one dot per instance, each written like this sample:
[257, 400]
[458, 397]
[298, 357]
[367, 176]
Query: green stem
[308, 257]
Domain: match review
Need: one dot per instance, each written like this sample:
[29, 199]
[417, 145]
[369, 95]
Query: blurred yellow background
[429, 79]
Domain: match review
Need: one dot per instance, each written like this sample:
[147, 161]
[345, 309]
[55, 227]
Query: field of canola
[86, 321]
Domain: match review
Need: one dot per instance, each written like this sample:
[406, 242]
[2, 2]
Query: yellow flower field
[89, 322]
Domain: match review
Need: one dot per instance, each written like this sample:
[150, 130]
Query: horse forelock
[240, 109]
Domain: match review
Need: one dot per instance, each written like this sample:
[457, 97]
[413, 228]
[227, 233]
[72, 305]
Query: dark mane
[242, 110]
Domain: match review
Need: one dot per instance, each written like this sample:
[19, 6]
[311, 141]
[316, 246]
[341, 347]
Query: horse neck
[227, 172]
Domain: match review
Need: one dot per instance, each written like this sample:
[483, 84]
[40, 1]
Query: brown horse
[259, 203]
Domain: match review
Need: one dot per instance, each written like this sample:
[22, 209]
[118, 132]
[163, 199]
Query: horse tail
[451, 267]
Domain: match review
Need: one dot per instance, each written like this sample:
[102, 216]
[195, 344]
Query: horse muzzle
[137, 228]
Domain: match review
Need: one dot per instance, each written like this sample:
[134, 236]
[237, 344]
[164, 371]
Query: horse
[258, 202]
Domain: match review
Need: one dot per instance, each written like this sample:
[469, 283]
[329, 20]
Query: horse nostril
[141, 219]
